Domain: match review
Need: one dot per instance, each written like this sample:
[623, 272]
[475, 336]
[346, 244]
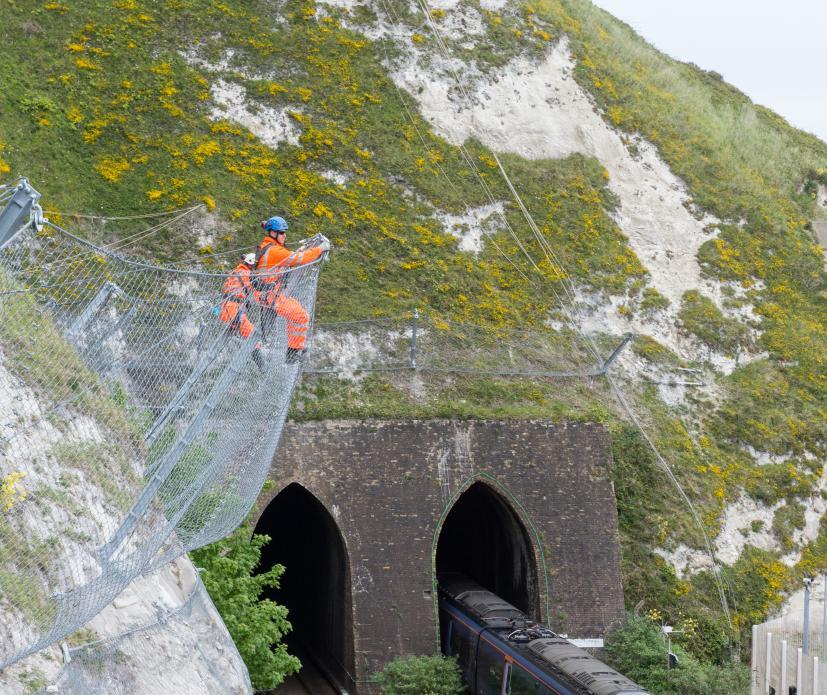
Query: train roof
[578, 664]
[542, 646]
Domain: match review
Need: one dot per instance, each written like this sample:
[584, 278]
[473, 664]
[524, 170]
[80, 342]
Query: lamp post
[824, 620]
[668, 631]
[805, 642]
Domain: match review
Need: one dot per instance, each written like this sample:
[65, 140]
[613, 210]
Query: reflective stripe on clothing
[295, 316]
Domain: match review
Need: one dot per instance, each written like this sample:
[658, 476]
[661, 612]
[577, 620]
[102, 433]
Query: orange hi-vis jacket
[239, 285]
[270, 255]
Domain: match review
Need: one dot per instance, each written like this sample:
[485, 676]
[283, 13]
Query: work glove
[325, 245]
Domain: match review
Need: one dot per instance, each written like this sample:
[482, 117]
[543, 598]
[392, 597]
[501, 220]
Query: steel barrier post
[414, 322]
[805, 644]
[754, 664]
[616, 353]
[171, 458]
[823, 650]
[24, 202]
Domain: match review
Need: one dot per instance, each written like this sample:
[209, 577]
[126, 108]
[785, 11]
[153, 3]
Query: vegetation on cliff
[117, 107]
[229, 570]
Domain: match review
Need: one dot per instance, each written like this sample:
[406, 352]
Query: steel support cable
[446, 54]
[621, 398]
[469, 161]
[574, 315]
[664, 465]
[467, 156]
[137, 236]
[128, 240]
[150, 231]
[171, 270]
[472, 166]
[123, 217]
[101, 420]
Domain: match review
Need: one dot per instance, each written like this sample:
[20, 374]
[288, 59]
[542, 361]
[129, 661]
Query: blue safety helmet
[275, 224]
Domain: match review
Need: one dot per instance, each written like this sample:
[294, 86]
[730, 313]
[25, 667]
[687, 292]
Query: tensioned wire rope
[67, 306]
[110, 249]
[469, 161]
[574, 315]
[389, 10]
[556, 266]
[550, 254]
[143, 234]
[144, 216]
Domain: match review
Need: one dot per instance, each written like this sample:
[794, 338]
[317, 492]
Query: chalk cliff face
[162, 634]
[673, 206]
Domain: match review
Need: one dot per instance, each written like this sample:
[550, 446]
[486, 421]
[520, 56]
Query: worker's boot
[294, 355]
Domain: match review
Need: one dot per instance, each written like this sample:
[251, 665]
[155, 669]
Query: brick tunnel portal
[315, 586]
[363, 512]
[483, 538]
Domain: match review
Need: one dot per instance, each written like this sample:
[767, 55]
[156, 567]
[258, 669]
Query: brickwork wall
[388, 483]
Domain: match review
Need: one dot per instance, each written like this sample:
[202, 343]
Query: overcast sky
[772, 51]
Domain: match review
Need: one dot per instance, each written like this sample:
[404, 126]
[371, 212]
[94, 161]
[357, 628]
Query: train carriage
[500, 651]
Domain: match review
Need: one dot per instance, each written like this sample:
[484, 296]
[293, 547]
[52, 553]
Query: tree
[420, 675]
[256, 625]
[638, 651]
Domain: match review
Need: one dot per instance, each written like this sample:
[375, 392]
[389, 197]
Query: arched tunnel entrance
[315, 586]
[483, 538]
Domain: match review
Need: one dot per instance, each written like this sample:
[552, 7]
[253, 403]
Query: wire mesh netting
[432, 344]
[779, 662]
[185, 650]
[140, 408]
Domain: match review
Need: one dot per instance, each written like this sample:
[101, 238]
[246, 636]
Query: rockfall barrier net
[136, 423]
[184, 651]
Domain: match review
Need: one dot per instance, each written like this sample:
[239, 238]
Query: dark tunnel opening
[315, 586]
[484, 539]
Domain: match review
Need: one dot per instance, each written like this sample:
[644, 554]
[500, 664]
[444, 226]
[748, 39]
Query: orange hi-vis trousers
[295, 315]
[233, 315]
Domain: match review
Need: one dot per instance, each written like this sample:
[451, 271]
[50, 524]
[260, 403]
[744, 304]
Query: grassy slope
[750, 168]
[48, 365]
[108, 116]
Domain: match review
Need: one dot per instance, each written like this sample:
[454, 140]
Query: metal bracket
[616, 353]
[23, 203]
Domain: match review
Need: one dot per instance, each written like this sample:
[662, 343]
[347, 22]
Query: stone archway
[316, 585]
[484, 538]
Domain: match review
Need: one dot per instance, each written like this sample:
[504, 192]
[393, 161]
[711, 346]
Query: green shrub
[702, 318]
[256, 625]
[639, 651]
[420, 675]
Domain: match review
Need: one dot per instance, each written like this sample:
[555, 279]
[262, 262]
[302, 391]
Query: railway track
[310, 680]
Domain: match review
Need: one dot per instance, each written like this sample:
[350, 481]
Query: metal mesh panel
[135, 423]
[771, 670]
[187, 650]
[446, 346]
[431, 344]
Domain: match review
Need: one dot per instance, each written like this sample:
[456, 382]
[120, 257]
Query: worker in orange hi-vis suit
[238, 290]
[271, 255]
